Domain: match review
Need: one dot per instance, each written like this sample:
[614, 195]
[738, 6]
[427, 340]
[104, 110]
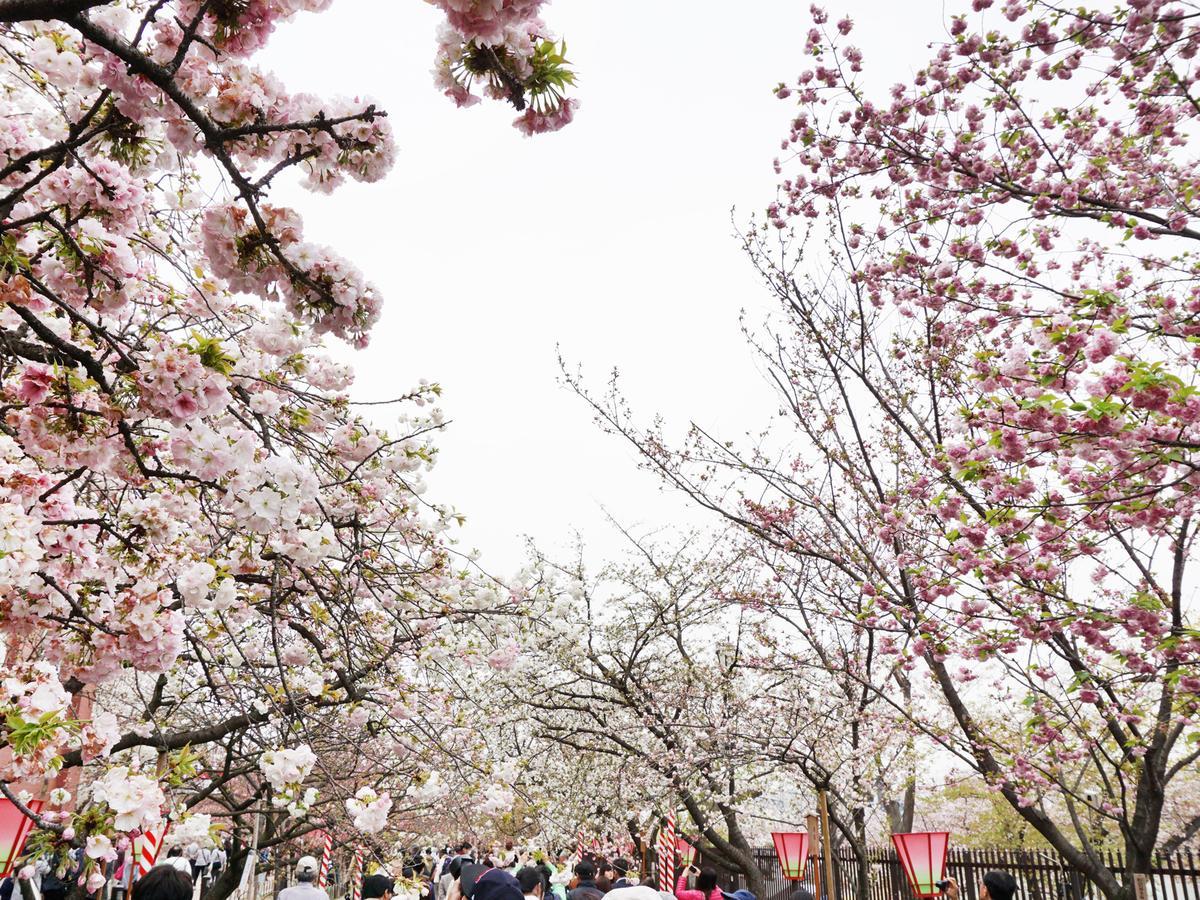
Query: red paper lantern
[14, 828]
[687, 853]
[792, 849]
[923, 856]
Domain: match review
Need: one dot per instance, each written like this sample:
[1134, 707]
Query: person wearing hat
[305, 887]
[995, 885]
[739, 894]
[450, 872]
[633, 892]
[495, 884]
[585, 883]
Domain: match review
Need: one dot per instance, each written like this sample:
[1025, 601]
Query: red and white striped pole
[579, 846]
[356, 875]
[151, 845]
[326, 854]
[666, 855]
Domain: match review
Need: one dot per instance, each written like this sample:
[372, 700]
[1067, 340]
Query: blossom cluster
[369, 810]
[504, 47]
[285, 770]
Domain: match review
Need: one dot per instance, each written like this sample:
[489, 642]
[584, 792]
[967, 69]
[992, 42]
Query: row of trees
[968, 544]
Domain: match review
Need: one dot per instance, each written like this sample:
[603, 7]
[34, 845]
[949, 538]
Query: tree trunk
[733, 852]
[226, 883]
[864, 874]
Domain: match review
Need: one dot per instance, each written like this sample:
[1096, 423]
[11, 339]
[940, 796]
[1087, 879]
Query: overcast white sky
[611, 239]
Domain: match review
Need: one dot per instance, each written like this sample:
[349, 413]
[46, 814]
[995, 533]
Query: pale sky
[611, 239]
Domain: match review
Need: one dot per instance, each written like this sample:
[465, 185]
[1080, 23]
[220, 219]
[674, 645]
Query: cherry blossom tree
[986, 359]
[642, 667]
[211, 561]
[824, 717]
[1008, 203]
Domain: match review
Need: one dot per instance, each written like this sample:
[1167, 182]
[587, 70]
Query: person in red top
[706, 885]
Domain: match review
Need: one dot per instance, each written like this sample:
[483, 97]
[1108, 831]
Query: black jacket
[586, 890]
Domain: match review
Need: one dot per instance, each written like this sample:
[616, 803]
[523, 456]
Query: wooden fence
[1040, 874]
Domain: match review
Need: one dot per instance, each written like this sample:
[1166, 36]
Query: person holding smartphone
[706, 884]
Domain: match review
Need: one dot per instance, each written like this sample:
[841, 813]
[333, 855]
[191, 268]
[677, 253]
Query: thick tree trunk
[1086, 860]
[734, 852]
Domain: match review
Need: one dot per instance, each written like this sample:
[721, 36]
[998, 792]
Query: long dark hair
[707, 880]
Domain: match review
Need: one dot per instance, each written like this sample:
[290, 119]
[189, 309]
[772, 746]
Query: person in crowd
[547, 873]
[801, 893]
[585, 887]
[496, 884]
[178, 862]
[192, 854]
[166, 881]
[202, 866]
[121, 873]
[510, 857]
[995, 885]
[305, 887]
[220, 859]
[450, 874]
[561, 878]
[606, 876]
[706, 885]
[635, 892]
[740, 894]
[440, 863]
[414, 871]
[378, 887]
[533, 882]
[622, 878]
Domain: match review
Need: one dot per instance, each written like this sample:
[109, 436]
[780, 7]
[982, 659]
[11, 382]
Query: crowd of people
[454, 874]
[463, 873]
[510, 874]
[464, 878]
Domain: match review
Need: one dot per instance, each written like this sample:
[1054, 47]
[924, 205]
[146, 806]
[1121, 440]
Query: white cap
[306, 866]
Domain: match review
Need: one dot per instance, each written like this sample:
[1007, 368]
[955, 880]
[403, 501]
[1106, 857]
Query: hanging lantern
[687, 853]
[923, 856]
[14, 828]
[792, 849]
